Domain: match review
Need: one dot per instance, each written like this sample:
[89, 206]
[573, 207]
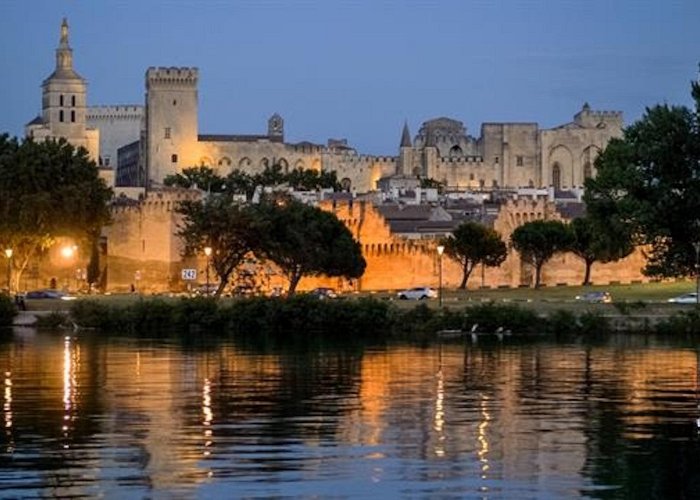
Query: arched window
[456, 151]
[556, 176]
[346, 184]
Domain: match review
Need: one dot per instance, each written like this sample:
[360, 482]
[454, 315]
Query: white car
[417, 293]
[686, 298]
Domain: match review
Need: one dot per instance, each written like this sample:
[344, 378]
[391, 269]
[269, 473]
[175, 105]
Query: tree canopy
[48, 190]
[537, 242]
[648, 186]
[593, 243]
[230, 229]
[303, 240]
[239, 182]
[472, 244]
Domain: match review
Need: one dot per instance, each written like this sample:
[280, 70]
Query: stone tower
[405, 164]
[275, 127]
[64, 103]
[171, 141]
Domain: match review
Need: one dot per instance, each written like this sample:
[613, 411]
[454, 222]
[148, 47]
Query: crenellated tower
[171, 141]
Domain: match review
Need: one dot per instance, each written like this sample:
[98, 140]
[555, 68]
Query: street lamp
[67, 253]
[440, 250]
[8, 254]
[696, 246]
[207, 252]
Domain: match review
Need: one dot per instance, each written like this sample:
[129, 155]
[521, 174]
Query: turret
[171, 121]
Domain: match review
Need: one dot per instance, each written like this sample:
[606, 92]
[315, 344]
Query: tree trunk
[587, 274]
[538, 274]
[294, 280]
[466, 272]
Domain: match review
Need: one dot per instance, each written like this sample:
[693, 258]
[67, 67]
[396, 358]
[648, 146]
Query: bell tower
[64, 103]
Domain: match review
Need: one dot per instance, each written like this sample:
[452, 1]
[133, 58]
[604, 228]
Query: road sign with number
[189, 274]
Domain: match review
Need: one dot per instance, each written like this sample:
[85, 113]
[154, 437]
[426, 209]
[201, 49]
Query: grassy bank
[365, 317]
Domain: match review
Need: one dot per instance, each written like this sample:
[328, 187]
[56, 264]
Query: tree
[597, 244]
[48, 190]
[472, 244]
[230, 229]
[204, 178]
[539, 240]
[648, 185]
[306, 241]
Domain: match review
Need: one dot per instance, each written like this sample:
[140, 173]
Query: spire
[405, 137]
[64, 57]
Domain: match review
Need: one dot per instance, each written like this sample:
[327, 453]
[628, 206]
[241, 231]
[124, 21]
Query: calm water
[124, 417]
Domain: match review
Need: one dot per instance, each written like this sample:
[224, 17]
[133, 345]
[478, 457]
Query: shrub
[562, 322]
[8, 310]
[491, 317]
[590, 323]
[54, 319]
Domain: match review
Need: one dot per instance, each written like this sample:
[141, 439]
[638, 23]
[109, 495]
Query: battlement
[469, 160]
[164, 199]
[173, 76]
[119, 112]
[590, 117]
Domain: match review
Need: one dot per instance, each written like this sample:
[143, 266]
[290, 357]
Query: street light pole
[207, 252]
[440, 249]
[8, 254]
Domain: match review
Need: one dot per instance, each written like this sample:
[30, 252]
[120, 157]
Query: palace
[137, 146]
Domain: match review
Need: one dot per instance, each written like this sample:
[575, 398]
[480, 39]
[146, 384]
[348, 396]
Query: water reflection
[146, 417]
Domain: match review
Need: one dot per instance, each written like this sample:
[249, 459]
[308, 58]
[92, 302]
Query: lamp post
[440, 249]
[8, 254]
[207, 252]
[696, 246]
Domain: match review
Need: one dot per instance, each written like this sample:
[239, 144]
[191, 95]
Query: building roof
[36, 121]
[405, 137]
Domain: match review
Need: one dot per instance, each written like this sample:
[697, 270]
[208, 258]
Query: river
[87, 414]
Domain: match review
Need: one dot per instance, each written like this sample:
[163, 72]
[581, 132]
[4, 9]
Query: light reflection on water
[92, 415]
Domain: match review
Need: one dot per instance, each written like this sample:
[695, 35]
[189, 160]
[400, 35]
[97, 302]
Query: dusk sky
[359, 69]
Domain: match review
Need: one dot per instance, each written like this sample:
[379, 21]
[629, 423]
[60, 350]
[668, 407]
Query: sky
[359, 69]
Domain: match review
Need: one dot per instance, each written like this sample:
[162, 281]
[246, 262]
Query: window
[174, 102]
[518, 161]
[72, 101]
[60, 100]
[556, 176]
[60, 116]
[72, 116]
[166, 133]
[173, 158]
[496, 160]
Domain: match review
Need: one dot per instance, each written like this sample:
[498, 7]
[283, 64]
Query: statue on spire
[64, 33]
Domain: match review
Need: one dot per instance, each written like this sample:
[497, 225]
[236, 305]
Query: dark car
[48, 293]
[595, 297]
[324, 293]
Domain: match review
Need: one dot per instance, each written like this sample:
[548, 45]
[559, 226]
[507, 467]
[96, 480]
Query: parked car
[686, 298]
[48, 293]
[417, 293]
[595, 297]
[324, 293]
